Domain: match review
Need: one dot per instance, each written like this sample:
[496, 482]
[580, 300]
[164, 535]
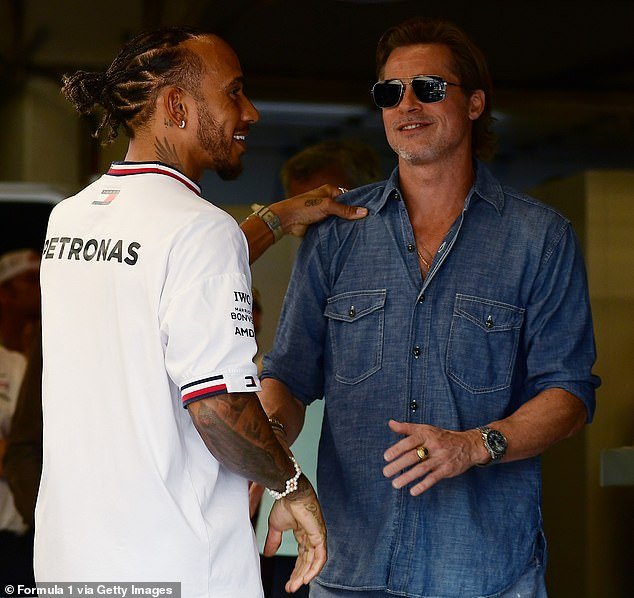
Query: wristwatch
[494, 442]
[270, 218]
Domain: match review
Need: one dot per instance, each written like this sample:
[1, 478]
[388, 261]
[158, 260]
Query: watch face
[497, 442]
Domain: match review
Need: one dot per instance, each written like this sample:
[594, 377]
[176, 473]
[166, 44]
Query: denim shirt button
[416, 351]
[396, 196]
[411, 247]
[413, 405]
[489, 322]
[421, 299]
[352, 311]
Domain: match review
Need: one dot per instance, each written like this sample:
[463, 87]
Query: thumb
[273, 541]
[399, 427]
[347, 212]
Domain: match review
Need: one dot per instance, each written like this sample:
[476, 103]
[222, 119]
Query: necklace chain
[420, 255]
[426, 262]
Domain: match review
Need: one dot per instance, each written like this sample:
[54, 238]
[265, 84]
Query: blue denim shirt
[502, 315]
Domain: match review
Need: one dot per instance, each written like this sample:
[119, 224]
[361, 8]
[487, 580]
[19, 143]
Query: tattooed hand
[300, 512]
[298, 213]
[237, 432]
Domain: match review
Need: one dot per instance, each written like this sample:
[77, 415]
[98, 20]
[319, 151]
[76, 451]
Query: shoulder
[513, 205]
[328, 237]
[520, 203]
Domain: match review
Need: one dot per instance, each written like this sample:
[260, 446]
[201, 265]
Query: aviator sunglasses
[427, 88]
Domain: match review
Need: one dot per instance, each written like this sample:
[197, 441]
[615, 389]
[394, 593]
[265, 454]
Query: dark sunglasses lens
[428, 90]
[386, 94]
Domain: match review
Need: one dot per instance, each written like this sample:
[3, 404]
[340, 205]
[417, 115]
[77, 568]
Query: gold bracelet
[276, 424]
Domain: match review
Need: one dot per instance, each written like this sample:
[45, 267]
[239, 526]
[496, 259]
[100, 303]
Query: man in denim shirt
[450, 335]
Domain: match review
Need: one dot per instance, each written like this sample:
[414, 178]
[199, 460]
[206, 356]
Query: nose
[409, 101]
[249, 112]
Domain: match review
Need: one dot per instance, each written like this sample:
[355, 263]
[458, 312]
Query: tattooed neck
[167, 153]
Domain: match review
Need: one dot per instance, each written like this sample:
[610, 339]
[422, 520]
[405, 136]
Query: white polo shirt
[146, 306]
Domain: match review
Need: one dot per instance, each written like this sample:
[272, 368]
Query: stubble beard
[213, 140]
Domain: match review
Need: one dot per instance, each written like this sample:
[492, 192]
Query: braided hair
[124, 95]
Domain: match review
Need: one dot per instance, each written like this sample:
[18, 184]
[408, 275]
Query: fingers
[273, 541]
[413, 438]
[301, 513]
[407, 459]
[347, 212]
[310, 561]
[427, 454]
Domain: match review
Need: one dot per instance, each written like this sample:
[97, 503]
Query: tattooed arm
[296, 215]
[237, 432]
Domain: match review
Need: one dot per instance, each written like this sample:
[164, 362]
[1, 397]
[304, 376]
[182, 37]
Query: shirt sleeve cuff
[226, 383]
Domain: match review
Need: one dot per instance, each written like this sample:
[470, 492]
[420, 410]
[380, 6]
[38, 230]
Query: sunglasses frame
[402, 83]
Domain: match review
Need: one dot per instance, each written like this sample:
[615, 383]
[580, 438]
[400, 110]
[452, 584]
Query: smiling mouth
[240, 137]
[413, 126]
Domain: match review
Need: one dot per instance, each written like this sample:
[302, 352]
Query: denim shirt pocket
[355, 323]
[483, 343]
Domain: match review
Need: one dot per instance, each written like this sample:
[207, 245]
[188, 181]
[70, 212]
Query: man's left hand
[448, 454]
[297, 213]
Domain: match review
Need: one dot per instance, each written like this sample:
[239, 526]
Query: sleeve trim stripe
[202, 381]
[204, 392]
[198, 395]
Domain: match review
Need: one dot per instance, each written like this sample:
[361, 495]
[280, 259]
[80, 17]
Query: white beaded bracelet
[291, 485]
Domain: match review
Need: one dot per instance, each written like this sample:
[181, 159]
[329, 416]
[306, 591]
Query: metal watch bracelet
[270, 218]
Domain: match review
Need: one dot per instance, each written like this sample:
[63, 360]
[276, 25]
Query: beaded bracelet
[291, 485]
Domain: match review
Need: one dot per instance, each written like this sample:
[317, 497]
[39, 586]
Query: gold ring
[422, 452]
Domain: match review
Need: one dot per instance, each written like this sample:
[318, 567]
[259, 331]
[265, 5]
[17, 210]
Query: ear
[175, 102]
[476, 104]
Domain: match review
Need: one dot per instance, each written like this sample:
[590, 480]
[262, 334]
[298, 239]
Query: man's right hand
[299, 511]
[297, 213]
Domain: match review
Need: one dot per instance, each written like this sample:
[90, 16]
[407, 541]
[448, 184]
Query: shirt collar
[485, 187]
[129, 168]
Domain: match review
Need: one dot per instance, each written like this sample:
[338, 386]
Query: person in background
[151, 422]
[450, 335]
[340, 163]
[19, 299]
[19, 315]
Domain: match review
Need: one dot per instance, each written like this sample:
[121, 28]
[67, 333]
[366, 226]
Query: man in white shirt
[147, 311]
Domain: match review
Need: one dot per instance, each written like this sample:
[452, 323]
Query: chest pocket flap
[355, 328]
[489, 315]
[483, 343]
[348, 307]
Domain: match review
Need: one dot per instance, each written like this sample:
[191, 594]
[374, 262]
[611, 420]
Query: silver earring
[182, 125]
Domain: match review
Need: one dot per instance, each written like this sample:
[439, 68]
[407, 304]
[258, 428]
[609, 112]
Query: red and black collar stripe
[128, 168]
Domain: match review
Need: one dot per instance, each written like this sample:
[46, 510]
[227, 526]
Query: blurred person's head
[342, 163]
[19, 297]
